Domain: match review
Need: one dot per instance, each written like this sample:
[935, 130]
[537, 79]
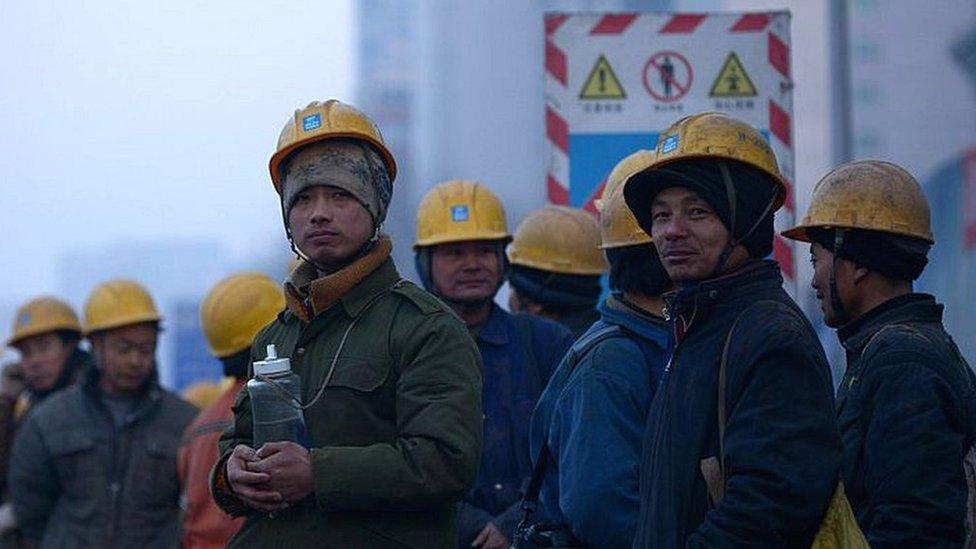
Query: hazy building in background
[912, 100]
[457, 90]
[934, 133]
[386, 77]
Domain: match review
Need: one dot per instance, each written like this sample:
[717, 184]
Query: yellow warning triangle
[732, 80]
[602, 83]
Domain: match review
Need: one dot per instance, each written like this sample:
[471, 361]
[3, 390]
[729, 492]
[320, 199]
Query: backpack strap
[579, 349]
[713, 468]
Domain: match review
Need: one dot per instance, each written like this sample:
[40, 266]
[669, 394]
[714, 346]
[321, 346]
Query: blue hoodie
[594, 422]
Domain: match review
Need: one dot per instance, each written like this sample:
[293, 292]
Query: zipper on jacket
[114, 486]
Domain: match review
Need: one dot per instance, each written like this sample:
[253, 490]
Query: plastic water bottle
[275, 402]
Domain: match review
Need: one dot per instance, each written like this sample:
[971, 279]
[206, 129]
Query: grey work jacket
[77, 480]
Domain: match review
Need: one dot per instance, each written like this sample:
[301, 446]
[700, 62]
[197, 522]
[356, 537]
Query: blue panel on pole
[592, 156]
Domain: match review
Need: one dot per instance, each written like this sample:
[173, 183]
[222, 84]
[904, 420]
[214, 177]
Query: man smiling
[740, 447]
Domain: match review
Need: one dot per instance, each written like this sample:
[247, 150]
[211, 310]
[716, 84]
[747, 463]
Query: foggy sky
[129, 121]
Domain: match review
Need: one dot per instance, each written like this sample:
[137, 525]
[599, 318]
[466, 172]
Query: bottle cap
[272, 364]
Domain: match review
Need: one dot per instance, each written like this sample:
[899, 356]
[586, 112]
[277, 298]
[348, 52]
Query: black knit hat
[556, 292]
[753, 190]
[894, 256]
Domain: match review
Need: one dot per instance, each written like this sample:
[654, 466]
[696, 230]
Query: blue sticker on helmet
[312, 122]
[669, 144]
[24, 319]
[459, 213]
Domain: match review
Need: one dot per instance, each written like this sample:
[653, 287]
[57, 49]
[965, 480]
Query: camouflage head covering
[350, 165]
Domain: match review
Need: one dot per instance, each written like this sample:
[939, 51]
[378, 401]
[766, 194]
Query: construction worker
[556, 267]
[460, 255]
[203, 394]
[592, 415]
[46, 333]
[906, 406]
[95, 464]
[391, 380]
[231, 315]
[741, 446]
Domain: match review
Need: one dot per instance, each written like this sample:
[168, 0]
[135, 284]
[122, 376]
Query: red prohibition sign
[667, 76]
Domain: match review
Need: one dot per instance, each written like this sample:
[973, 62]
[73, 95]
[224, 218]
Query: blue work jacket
[592, 416]
[519, 353]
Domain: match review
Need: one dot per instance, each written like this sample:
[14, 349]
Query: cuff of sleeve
[223, 494]
[322, 486]
[471, 521]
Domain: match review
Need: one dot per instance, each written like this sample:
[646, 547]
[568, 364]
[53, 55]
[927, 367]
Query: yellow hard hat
[202, 393]
[618, 227]
[708, 135]
[42, 315]
[236, 309]
[459, 211]
[870, 195]
[320, 121]
[118, 303]
[560, 240]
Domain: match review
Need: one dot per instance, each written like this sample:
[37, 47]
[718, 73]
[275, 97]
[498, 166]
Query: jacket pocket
[360, 373]
[75, 459]
[68, 443]
[155, 488]
[73, 454]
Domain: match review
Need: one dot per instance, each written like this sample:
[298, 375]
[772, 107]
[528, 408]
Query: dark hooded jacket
[906, 413]
[782, 451]
[78, 480]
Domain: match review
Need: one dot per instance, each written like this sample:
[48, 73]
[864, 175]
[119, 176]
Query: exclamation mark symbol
[603, 80]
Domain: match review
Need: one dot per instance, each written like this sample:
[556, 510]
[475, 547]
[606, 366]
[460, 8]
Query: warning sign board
[671, 65]
[602, 83]
[732, 80]
[667, 76]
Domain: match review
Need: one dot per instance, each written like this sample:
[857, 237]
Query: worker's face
[844, 274]
[42, 359]
[466, 272]
[329, 225]
[688, 234]
[126, 357]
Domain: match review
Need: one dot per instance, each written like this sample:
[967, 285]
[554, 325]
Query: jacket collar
[693, 299]
[907, 308]
[145, 399]
[354, 286]
[614, 310]
[494, 331]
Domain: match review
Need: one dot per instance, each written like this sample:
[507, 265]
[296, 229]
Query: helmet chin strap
[366, 247]
[723, 258]
[835, 303]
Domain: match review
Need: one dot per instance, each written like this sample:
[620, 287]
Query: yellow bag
[839, 528]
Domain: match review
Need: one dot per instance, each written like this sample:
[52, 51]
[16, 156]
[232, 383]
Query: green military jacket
[396, 436]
